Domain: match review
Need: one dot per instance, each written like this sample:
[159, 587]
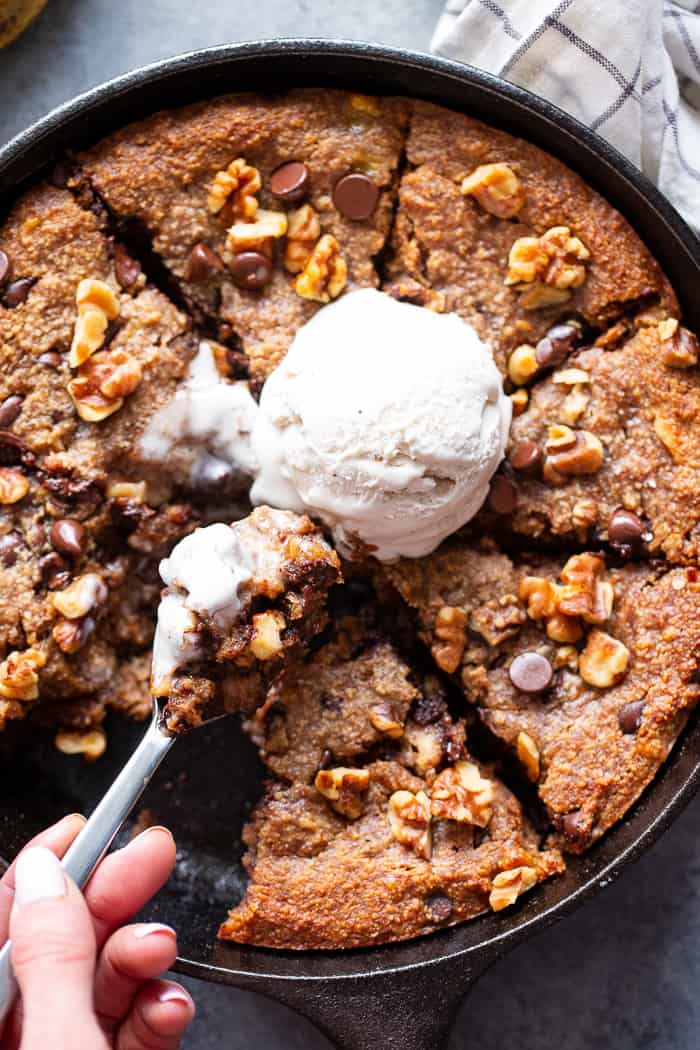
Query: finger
[128, 878]
[56, 838]
[53, 953]
[161, 1012]
[132, 955]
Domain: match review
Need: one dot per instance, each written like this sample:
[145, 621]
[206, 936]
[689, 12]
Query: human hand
[87, 981]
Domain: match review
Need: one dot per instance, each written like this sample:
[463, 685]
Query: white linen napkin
[630, 69]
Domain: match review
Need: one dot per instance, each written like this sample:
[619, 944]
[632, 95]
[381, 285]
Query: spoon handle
[104, 822]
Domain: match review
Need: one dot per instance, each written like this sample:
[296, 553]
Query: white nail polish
[140, 932]
[174, 995]
[38, 876]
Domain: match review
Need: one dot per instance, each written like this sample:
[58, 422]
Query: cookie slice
[303, 181]
[605, 449]
[498, 231]
[587, 673]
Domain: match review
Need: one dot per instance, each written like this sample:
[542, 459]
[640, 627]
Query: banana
[15, 16]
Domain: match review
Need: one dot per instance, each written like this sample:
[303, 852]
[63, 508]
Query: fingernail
[149, 831]
[174, 995]
[38, 876]
[140, 932]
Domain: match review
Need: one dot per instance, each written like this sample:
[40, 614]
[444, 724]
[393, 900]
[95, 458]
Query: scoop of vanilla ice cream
[386, 421]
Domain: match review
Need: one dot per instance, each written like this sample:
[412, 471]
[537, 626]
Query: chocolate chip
[10, 408]
[438, 907]
[573, 826]
[126, 269]
[527, 456]
[531, 672]
[250, 270]
[625, 527]
[203, 264]
[10, 546]
[630, 716]
[557, 344]
[238, 363]
[16, 292]
[503, 496]
[68, 536]
[355, 196]
[51, 359]
[54, 571]
[14, 450]
[431, 705]
[4, 267]
[290, 182]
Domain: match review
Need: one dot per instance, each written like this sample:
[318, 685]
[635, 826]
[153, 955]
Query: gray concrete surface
[624, 971]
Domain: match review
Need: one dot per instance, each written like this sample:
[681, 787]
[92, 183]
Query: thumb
[53, 954]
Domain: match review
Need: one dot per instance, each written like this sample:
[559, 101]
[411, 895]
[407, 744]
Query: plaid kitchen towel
[630, 69]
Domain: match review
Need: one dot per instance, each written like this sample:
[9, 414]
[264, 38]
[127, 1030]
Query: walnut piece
[409, 820]
[344, 788]
[570, 453]
[71, 635]
[18, 675]
[577, 399]
[266, 642]
[508, 885]
[585, 593]
[556, 259]
[519, 400]
[450, 632]
[522, 364]
[91, 744]
[258, 235]
[497, 188]
[604, 661]
[325, 274]
[81, 596]
[303, 232]
[461, 793]
[680, 347]
[236, 188]
[423, 750]
[102, 383]
[133, 491]
[383, 718]
[529, 755]
[14, 486]
[97, 306]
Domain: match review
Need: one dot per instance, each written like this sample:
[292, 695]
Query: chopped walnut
[325, 274]
[563, 629]
[680, 347]
[508, 885]
[577, 399]
[18, 675]
[344, 788]
[556, 259]
[91, 744]
[268, 226]
[14, 486]
[409, 820]
[497, 188]
[423, 748]
[133, 491]
[409, 290]
[585, 593]
[668, 433]
[571, 453]
[519, 401]
[566, 656]
[383, 718]
[604, 661]
[236, 188]
[302, 234]
[539, 597]
[584, 514]
[529, 755]
[522, 364]
[71, 635]
[450, 632]
[81, 596]
[97, 306]
[539, 296]
[461, 793]
[102, 384]
[497, 620]
[266, 642]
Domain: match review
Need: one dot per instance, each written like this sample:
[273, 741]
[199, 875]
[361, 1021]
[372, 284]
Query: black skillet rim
[442, 81]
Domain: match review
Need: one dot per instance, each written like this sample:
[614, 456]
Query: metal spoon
[104, 823]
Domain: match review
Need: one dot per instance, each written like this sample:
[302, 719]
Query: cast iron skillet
[401, 996]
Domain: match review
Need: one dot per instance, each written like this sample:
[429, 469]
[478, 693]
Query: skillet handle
[409, 1009]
